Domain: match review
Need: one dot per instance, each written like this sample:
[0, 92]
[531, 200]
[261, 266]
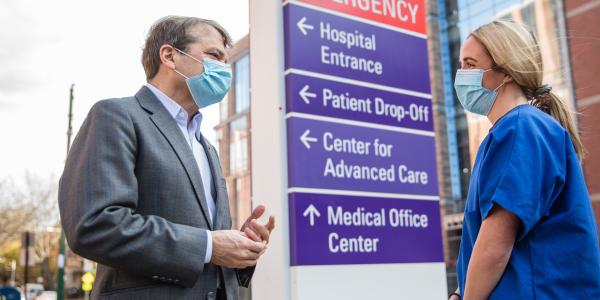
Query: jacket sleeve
[98, 199]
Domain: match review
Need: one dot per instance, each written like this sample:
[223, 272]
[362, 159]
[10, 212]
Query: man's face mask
[210, 86]
[472, 95]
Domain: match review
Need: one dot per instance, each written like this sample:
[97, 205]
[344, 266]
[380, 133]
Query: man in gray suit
[142, 192]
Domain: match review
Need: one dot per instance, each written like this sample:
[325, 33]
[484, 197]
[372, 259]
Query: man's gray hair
[174, 31]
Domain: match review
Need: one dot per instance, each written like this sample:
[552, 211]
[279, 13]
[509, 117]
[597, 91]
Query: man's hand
[232, 249]
[256, 231]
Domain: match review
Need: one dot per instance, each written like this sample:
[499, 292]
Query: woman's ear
[507, 79]
[166, 54]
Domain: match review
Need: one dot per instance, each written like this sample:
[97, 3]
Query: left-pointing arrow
[303, 26]
[305, 139]
[305, 94]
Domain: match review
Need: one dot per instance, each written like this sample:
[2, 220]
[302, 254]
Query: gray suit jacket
[131, 198]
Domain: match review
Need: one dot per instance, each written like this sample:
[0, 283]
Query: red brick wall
[583, 26]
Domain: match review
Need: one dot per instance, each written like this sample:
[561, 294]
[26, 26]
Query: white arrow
[312, 211]
[305, 139]
[304, 94]
[303, 26]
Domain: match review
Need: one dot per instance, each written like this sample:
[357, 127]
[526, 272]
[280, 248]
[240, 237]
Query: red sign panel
[405, 14]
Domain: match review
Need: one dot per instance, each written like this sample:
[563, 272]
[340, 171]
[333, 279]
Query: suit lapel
[221, 203]
[170, 130]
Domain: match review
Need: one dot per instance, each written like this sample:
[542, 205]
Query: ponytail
[552, 104]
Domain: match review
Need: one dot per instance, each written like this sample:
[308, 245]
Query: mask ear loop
[503, 82]
[496, 89]
[181, 74]
[188, 55]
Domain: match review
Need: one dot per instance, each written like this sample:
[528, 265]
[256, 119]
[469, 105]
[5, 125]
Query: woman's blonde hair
[515, 51]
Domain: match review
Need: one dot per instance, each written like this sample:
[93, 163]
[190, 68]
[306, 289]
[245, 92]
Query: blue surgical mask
[210, 86]
[472, 95]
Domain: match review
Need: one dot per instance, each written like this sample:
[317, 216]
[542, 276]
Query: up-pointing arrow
[305, 139]
[311, 211]
[302, 26]
[305, 95]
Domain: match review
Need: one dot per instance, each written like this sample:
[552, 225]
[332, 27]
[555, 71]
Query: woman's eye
[466, 65]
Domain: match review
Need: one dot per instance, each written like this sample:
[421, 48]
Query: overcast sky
[47, 45]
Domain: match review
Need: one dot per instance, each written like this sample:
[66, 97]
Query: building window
[241, 201]
[528, 16]
[224, 108]
[242, 84]
[238, 151]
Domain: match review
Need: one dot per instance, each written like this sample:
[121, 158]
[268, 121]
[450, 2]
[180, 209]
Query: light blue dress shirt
[191, 132]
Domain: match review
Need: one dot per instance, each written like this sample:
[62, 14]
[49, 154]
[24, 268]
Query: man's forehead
[207, 36]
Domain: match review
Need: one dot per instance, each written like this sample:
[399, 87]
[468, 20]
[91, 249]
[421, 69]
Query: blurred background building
[233, 138]
[569, 35]
[233, 134]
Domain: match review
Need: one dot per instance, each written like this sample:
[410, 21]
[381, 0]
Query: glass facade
[242, 84]
[224, 107]
[238, 150]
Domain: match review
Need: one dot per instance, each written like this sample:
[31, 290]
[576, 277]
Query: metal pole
[70, 127]
[26, 245]
[62, 258]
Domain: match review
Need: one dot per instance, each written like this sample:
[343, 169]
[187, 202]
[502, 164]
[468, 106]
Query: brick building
[233, 138]
[583, 27]
[233, 134]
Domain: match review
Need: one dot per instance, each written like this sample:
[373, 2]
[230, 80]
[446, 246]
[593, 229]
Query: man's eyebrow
[215, 49]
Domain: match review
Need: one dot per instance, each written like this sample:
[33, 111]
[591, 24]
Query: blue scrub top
[528, 166]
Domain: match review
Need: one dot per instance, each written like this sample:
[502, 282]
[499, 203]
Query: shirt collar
[176, 111]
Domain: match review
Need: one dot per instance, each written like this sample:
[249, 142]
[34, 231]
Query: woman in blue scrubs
[529, 230]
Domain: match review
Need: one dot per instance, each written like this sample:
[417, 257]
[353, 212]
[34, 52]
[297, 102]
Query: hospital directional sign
[362, 178]
[329, 155]
[334, 229]
[333, 45]
[318, 96]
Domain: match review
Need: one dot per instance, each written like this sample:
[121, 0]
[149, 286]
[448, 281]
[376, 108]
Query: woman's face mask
[210, 86]
[475, 98]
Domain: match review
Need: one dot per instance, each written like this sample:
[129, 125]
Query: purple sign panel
[328, 155]
[334, 99]
[330, 229]
[328, 44]
[360, 123]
